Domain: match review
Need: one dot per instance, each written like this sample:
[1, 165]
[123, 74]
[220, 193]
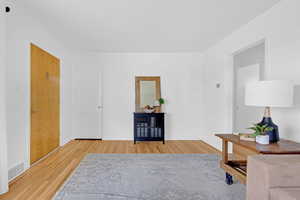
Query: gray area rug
[149, 177]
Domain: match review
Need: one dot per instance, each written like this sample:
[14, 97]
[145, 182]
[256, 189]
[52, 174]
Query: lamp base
[274, 134]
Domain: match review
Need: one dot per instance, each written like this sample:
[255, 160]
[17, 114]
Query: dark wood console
[149, 127]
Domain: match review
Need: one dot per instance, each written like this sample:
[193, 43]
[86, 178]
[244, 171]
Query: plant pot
[263, 139]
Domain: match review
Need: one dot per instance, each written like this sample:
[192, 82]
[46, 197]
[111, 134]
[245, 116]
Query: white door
[244, 115]
[87, 104]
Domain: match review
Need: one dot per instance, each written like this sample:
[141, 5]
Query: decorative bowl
[149, 110]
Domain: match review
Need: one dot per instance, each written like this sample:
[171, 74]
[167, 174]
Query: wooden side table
[237, 166]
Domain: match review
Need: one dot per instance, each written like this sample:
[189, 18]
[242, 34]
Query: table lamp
[270, 94]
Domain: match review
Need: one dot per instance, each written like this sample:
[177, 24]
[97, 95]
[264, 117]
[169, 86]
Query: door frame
[231, 79]
[100, 104]
[3, 128]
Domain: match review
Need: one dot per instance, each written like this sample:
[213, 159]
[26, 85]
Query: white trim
[100, 103]
[182, 138]
[28, 108]
[229, 74]
[171, 138]
[20, 173]
[37, 162]
[267, 60]
[250, 45]
[3, 127]
[109, 138]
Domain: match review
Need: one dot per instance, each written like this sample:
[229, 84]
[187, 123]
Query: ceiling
[146, 25]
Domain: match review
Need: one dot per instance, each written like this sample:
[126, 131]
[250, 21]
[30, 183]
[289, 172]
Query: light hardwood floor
[42, 180]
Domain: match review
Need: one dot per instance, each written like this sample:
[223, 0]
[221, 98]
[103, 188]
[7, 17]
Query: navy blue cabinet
[149, 127]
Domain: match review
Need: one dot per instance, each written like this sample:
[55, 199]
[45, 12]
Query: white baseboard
[183, 139]
[171, 138]
[108, 138]
[15, 171]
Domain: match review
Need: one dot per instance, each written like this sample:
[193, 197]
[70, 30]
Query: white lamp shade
[270, 94]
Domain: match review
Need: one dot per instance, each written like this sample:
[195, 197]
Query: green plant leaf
[260, 129]
[161, 101]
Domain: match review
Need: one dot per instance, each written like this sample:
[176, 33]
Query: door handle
[99, 107]
[33, 111]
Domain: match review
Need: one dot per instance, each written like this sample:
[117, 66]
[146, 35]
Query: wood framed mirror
[147, 91]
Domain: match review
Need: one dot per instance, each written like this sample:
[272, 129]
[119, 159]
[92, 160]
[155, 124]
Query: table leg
[229, 179]
[225, 151]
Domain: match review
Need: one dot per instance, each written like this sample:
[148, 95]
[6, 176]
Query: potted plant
[161, 101]
[260, 132]
[158, 104]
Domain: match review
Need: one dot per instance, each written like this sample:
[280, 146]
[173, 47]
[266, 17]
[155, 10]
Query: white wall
[195, 108]
[3, 140]
[23, 29]
[181, 86]
[280, 28]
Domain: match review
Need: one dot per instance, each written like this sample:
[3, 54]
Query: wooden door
[45, 96]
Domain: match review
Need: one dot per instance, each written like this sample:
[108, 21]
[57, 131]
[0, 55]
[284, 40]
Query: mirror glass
[148, 93]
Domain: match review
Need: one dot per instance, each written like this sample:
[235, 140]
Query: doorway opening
[249, 65]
